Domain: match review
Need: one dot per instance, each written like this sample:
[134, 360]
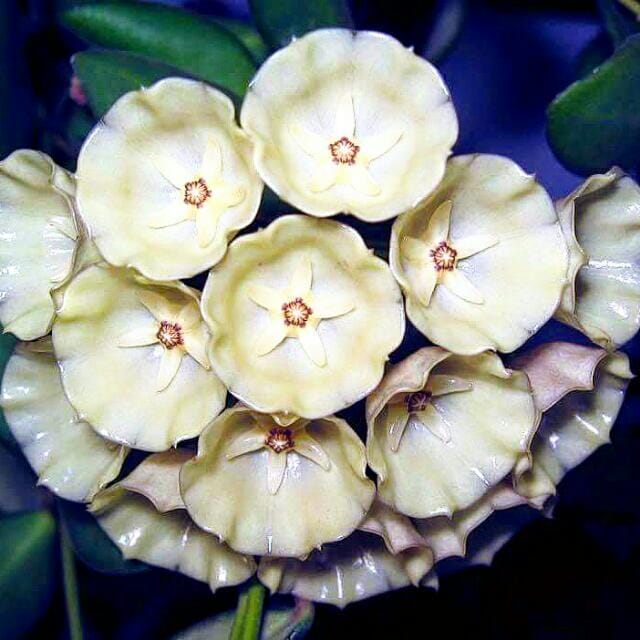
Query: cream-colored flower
[277, 490]
[579, 390]
[601, 223]
[145, 518]
[444, 429]
[483, 261]
[149, 396]
[303, 317]
[70, 458]
[37, 243]
[166, 179]
[352, 122]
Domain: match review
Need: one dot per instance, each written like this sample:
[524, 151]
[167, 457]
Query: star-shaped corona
[296, 312]
[176, 329]
[438, 256]
[341, 157]
[420, 404]
[202, 197]
[279, 442]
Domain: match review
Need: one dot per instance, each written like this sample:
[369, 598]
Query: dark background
[575, 576]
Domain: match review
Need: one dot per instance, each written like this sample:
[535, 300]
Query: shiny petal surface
[367, 87]
[70, 458]
[312, 505]
[140, 154]
[37, 244]
[115, 388]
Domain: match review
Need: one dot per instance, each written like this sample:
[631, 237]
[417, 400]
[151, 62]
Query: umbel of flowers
[298, 321]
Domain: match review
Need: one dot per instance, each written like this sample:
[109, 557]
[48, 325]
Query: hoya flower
[268, 487]
[133, 358]
[579, 391]
[483, 261]
[444, 429]
[303, 317]
[166, 179]
[601, 222]
[37, 243]
[144, 516]
[352, 122]
[68, 456]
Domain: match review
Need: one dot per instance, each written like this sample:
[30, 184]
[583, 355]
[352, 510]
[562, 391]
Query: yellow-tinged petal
[189, 317]
[140, 336]
[247, 442]
[156, 304]
[310, 142]
[330, 307]
[308, 447]
[460, 285]
[440, 385]
[228, 195]
[169, 365]
[170, 168]
[270, 337]
[426, 284]
[276, 468]
[431, 419]
[301, 279]
[211, 167]
[312, 345]
[470, 245]
[416, 251]
[439, 225]
[377, 145]
[361, 180]
[398, 418]
[207, 219]
[325, 176]
[266, 297]
[173, 213]
[195, 344]
[344, 123]
[65, 225]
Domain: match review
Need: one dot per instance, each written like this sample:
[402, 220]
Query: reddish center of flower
[444, 257]
[344, 151]
[170, 334]
[196, 192]
[296, 313]
[280, 439]
[417, 401]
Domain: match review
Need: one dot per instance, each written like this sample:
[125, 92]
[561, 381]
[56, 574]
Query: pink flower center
[417, 401]
[279, 439]
[170, 334]
[196, 192]
[444, 257]
[344, 151]
[296, 313]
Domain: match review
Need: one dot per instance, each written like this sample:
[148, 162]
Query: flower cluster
[297, 322]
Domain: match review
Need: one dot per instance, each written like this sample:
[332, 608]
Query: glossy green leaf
[595, 123]
[107, 75]
[194, 44]
[249, 37]
[280, 623]
[28, 570]
[92, 545]
[280, 21]
[7, 344]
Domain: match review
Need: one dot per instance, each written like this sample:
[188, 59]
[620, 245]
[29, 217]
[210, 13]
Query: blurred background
[506, 63]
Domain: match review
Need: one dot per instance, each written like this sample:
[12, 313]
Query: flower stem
[71, 597]
[248, 619]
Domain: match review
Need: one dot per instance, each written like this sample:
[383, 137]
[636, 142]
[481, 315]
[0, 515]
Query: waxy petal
[440, 385]
[211, 167]
[156, 304]
[276, 468]
[471, 245]
[312, 345]
[310, 448]
[344, 123]
[362, 181]
[270, 337]
[251, 440]
[173, 213]
[207, 219]
[266, 297]
[228, 195]
[311, 143]
[432, 419]
[376, 146]
[398, 418]
[416, 251]
[169, 365]
[195, 344]
[460, 285]
[426, 284]
[189, 317]
[140, 336]
[301, 279]
[439, 225]
[331, 307]
[325, 176]
[170, 169]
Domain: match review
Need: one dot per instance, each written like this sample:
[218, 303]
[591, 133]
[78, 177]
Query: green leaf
[7, 344]
[618, 20]
[92, 545]
[249, 37]
[279, 21]
[28, 568]
[448, 20]
[595, 123]
[107, 75]
[194, 44]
